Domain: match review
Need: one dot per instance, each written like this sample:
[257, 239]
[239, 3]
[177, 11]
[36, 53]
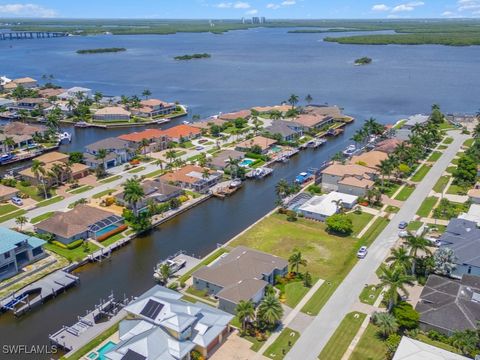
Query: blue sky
[230, 9]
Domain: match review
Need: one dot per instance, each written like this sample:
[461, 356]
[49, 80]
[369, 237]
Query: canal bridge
[21, 35]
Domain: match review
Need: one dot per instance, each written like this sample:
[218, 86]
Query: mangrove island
[101, 50]
[193, 56]
[363, 61]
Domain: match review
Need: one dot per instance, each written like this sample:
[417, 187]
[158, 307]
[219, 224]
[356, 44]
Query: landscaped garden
[370, 293]
[75, 251]
[427, 206]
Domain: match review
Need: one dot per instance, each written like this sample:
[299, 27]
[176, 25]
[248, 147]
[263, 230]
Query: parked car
[17, 201]
[403, 234]
[403, 225]
[362, 252]
[435, 242]
[201, 141]
[199, 148]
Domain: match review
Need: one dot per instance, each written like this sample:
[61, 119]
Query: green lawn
[392, 189]
[137, 170]
[434, 156]
[112, 239]
[359, 221]
[103, 193]
[50, 201]
[343, 336]
[421, 173]
[442, 147]
[392, 209]
[370, 294]
[81, 189]
[441, 184]
[294, 292]
[405, 193]
[414, 225]
[371, 346]
[439, 344]
[5, 209]
[427, 206]
[42, 217]
[155, 173]
[110, 179]
[469, 142]
[282, 345]
[31, 191]
[457, 190]
[256, 344]
[400, 124]
[455, 161]
[451, 169]
[179, 153]
[12, 215]
[76, 254]
[448, 140]
[204, 262]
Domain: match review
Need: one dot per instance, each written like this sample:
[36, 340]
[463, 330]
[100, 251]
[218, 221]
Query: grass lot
[442, 147]
[400, 124]
[435, 156]
[469, 142]
[455, 161]
[5, 209]
[414, 225]
[76, 254]
[371, 346]
[50, 201]
[405, 193]
[31, 191]
[282, 345]
[136, 170]
[343, 336]
[113, 239]
[110, 179]
[448, 140]
[295, 291]
[451, 169]
[441, 184]
[427, 206]
[392, 189]
[256, 344]
[42, 217]
[457, 190]
[179, 153]
[155, 173]
[206, 261]
[81, 189]
[421, 173]
[370, 294]
[103, 193]
[12, 215]
[392, 209]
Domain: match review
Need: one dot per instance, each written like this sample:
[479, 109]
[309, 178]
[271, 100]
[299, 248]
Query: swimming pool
[276, 149]
[246, 162]
[106, 229]
[98, 355]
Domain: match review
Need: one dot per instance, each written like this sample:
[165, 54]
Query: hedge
[71, 246]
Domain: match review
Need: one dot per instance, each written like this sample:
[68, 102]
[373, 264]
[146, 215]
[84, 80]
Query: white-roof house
[321, 207]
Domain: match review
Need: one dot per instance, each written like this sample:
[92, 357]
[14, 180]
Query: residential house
[323, 206]
[287, 130]
[154, 107]
[349, 179]
[242, 274]
[463, 237]
[75, 92]
[19, 141]
[193, 177]
[221, 160]
[388, 146]
[157, 190]
[268, 109]
[474, 194]
[29, 104]
[447, 305]
[65, 108]
[244, 114]
[50, 92]
[6, 103]
[206, 124]
[473, 214]
[26, 82]
[411, 349]
[82, 222]
[182, 132]
[112, 113]
[371, 159]
[7, 192]
[18, 250]
[414, 120]
[313, 121]
[3, 81]
[118, 152]
[333, 112]
[157, 139]
[160, 325]
[21, 133]
[263, 142]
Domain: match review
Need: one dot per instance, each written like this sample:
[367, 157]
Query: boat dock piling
[104, 253]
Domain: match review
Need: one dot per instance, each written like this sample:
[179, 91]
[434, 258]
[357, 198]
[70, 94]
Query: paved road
[321, 329]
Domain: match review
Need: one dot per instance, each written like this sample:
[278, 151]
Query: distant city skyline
[218, 9]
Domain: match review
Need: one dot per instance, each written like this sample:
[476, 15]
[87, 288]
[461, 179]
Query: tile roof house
[313, 121]
[410, 349]
[206, 124]
[267, 109]
[463, 237]
[7, 192]
[29, 104]
[18, 250]
[112, 113]
[157, 139]
[26, 82]
[154, 107]
[221, 160]
[388, 146]
[371, 159]
[19, 128]
[118, 152]
[264, 143]
[73, 93]
[321, 207]
[416, 119]
[183, 131]
[288, 130]
[350, 179]
[242, 274]
[81, 222]
[50, 92]
[193, 177]
[162, 326]
[447, 305]
[235, 115]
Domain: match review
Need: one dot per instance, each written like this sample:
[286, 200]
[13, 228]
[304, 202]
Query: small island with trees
[101, 50]
[363, 61]
[193, 56]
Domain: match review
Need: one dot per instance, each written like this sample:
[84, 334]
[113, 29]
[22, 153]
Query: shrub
[9, 182]
[339, 223]
[291, 215]
[73, 245]
[25, 183]
[407, 317]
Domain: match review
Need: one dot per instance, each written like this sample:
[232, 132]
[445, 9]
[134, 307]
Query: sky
[231, 9]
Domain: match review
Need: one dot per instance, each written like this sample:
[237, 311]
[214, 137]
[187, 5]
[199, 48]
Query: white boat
[350, 150]
[82, 124]
[186, 122]
[235, 183]
[173, 264]
[64, 137]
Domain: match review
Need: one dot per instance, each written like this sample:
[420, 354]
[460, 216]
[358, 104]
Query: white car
[403, 234]
[362, 252]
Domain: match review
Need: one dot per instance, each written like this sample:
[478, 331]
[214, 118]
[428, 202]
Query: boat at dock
[174, 263]
[259, 173]
[82, 124]
[334, 132]
[64, 137]
[315, 143]
[350, 150]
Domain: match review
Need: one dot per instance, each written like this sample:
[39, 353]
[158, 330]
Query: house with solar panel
[18, 250]
[161, 326]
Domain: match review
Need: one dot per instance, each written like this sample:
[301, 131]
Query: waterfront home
[349, 179]
[155, 190]
[263, 142]
[371, 159]
[112, 113]
[447, 305]
[268, 109]
[7, 192]
[243, 114]
[160, 325]
[19, 142]
[473, 214]
[61, 105]
[6, 103]
[18, 250]
[76, 92]
[474, 194]
[50, 92]
[3, 81]
[154, 107]
[157, 139]
[321, 207]
[411, 349]
[242, 274]
[20, 128]
[388, 146]
[206, 124]
[221, 160]
[118, 152]
[313, 121]
[29, 104]
[182, 132]
[287, 130]
[26, 82]
[333, 112]
[414, 120]
[463, 237]
[82, 222]
[193, 177]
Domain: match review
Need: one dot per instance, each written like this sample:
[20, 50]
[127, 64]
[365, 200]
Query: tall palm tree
[400, 258]
[171, 155]
[270, 310]
[97, 96]
[386, 322]
[386, 168]
[395, 280]
[339, 206]
[282, 188]
[205, 174]
[465, 341]
[133, 193]
[39, 171]
[275, 115]
[57, 172]
[71, 104]
[444, 261]
[67, 171]
[415, 244]
[160, 163]
[295, 260]
[293, 100]
[101, 155]
[20, 221]
[308, 99]
[144, 145]
[8, 143]
[146, 93]
[232, 166]
[245, 311]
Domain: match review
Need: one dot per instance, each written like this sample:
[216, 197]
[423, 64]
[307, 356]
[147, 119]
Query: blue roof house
[18, 250]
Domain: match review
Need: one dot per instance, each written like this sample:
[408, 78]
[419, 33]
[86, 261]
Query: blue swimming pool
[246, 162]
[104, 349]
[106, 229]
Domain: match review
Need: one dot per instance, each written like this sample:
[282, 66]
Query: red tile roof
[148, 134]
[179, 131]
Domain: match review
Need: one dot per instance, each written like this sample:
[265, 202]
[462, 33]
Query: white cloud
[273, 6]
[289, 2]
[26, 10]
[252, 12]
[241, 5]
[224, 5]
[233, 5]
[408, 6]
[380, 7]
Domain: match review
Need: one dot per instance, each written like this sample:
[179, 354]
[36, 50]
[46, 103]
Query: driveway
[235, 348]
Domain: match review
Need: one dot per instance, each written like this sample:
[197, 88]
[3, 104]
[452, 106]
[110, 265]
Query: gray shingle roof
[108, 144]
[463, 237]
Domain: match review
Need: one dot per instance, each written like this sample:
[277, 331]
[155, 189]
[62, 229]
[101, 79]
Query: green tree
[394, 280]
[386, 322]
[407, 317]
[339, 223]
[97, 96]
[307, 280]
[416, 244]
[465, 341]
[400, 258]
[75, 157]
[146, 93]
[20, 221]
[101, 168]
[466, 172]
[165, 273]
[282, 188]
[293, 100]
[296, 260]
[8, 143]
[270, 310]
[133, 193]
[444, 259]
[245, 311]
[308, 99]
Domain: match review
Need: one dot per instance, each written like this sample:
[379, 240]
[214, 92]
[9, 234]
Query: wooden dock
[105, 253]
[22, 35]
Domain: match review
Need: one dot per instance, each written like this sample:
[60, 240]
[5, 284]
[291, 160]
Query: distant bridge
[21, 35]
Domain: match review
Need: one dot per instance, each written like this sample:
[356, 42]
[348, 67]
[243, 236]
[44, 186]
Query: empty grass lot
[427, 206]
[421, 173]
[441, 184]
[434, 156]
[371, 346]
[343, 336]
[405, 193]
[282, 345]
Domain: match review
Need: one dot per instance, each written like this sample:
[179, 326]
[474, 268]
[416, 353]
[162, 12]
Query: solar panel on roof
[152, 309]
[132, 355]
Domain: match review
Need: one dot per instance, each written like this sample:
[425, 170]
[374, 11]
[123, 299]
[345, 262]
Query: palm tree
[386, 168]
[395, 280]
[67, 170]
[386, 322]
[295, 260]
[465, 341]
[245, 311]
[101, 155]
[233, 165]
[359, 137]
[282, 188]
[202, 159]
[415, 244]
[339, 206]
[171, 155]
[270, 310]
[308, 99]
[159, 163]
[20, 221]
[144, 145]
[71, 104]
[146, 93]
[400, 259]
[373, 127]
[23, 114]
[39, 171]
[57, 172]
[205, 174]
[293, 100]
[444, 261]
[275, 115]
[133, 193]
[97, 96]
[8, 143]
[165, 273]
